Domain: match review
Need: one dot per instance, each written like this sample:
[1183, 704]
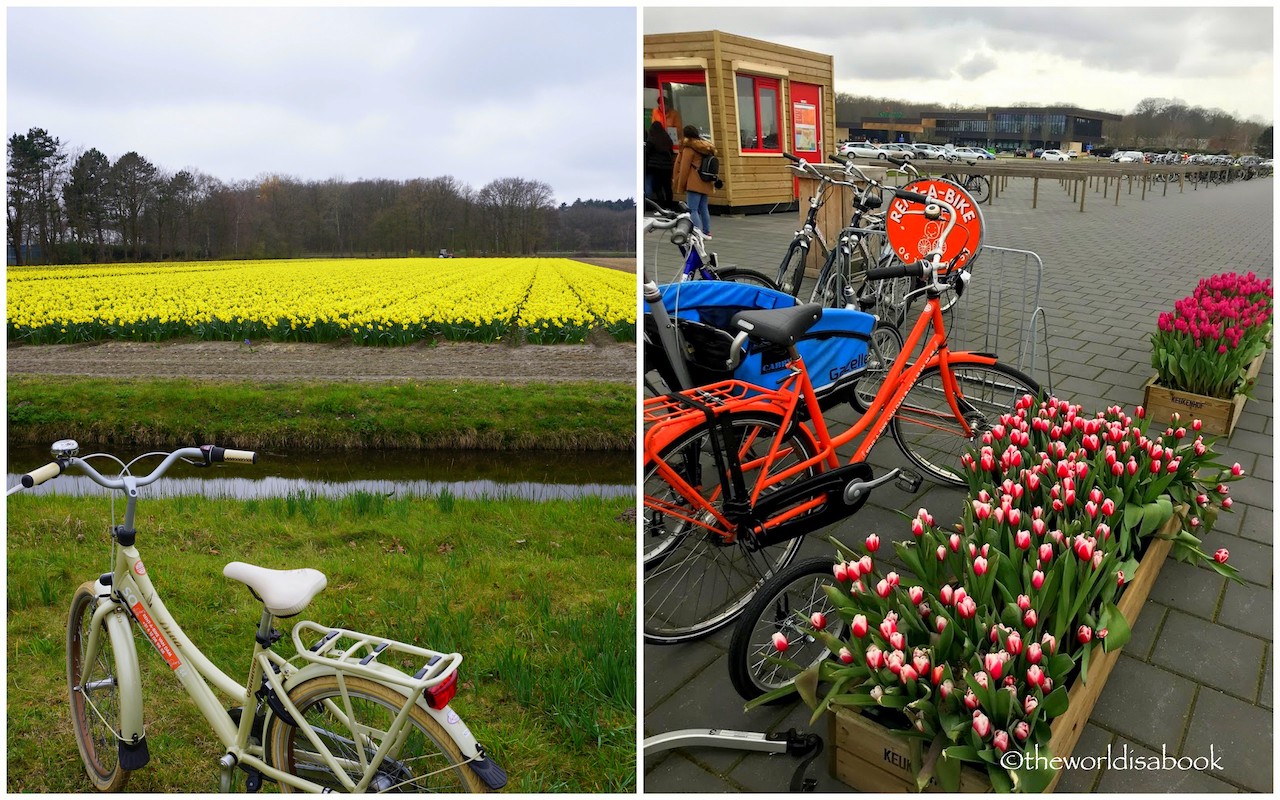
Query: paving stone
[678, 774]
[773, 773]
[1144, 703]
[1266, 697]
[1143, 637]
[1128, 771]
[1237, 730]
[1249, 608]
[1188, 588]
[1210, 654]
[1254, 492]
[1251, 558]
[1265, 466]
[1130, 379]
[680, 663]
[1093, 744]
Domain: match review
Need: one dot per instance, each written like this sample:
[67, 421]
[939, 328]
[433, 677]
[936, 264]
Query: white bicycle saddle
[284, 592]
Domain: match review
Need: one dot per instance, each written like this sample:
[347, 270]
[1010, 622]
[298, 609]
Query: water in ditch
[533, 475]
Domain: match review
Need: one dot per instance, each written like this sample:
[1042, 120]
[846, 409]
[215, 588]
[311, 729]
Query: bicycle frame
[132, 594]
[795, 390]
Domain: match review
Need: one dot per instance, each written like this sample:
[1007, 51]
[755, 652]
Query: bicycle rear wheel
[352, 718]
[94, 689]
[783, 605]
[695, 582]
[927, 430]
[979, 187]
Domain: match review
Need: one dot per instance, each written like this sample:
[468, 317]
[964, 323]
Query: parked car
[926, 150]
[1128, 157]
[862, 150]
[896, 148]
[1021, 152]
[1054, 155]
[973, 152]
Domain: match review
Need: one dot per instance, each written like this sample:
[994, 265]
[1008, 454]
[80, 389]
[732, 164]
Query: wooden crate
[1218, 415]
[870, 758]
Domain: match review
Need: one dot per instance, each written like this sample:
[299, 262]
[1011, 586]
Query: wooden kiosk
[753, 99]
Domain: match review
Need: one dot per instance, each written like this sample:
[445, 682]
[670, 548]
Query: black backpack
[709, 169]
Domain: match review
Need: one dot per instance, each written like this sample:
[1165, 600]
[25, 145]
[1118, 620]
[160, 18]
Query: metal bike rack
[1001, 313]
[806, 746]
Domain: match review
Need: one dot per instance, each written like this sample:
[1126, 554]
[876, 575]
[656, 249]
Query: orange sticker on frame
[152, 631]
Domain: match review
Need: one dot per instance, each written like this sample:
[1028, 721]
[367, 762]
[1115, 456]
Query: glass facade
[677, 99]
[759, 114]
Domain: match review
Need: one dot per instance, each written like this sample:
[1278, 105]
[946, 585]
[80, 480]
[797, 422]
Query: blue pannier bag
[834, 349]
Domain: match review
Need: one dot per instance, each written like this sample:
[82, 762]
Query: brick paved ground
[1199, 669]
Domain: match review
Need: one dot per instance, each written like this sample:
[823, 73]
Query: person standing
[659, 159]
[693, 148]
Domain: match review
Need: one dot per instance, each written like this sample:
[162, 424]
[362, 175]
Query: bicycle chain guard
[831, 483]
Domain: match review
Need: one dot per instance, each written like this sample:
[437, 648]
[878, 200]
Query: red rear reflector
[438, 696]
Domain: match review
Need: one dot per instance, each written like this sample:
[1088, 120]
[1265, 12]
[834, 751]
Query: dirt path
[611, 361]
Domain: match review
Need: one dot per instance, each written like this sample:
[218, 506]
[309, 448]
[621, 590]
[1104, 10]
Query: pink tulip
[1022, 730]
[967, 608]
[920, 661]
[888, 625]
[961, 594]
[1046, 552]
[994, 664]
[1013, 643]
[845, 656]
[1029, 704]
[855, 570]
[1221, 556]
[1237, 470]
[954, 541]
[1119, 577]
[883, 588]
[1037, 579]
[946, 689]
[1001, 741]
[1050, 643]
[970, 699]
[873, 543]
[982, 679]
[908, 673]
[1029, 618]
[1097, 559]
[980, 566]
[946, 594]
[1195, 424]
[1084, 634]
[1023, 539]
[941, 624]
[780, 642]
[981, 725]
[875, 657]
[1034, 653]
[864, 564]
[818, 620]
[1024, 602]
[917, 594]
[917, 528]
[1039, 526]
[1035, 675]
[877, 692]
[1084, 548]
[1226, 502]
[892, 578]
[942, 553]
[936, 675]
[897, 641]
[859, 626]
[894, 662]
[840, 572]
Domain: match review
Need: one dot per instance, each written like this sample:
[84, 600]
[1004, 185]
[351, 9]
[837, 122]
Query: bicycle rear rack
[357, 653]
[720, 397]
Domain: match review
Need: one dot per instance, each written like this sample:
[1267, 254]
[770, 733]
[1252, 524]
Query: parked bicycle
[736, 474]
[978, 186]
[699, 263]
[339, 716]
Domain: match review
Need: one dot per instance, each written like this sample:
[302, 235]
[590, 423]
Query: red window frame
[757, 83]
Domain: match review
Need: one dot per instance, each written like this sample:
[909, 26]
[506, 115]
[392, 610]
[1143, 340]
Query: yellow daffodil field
[371, 301]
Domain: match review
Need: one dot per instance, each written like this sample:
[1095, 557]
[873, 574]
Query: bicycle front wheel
[94, 689]
[695, 580]
[926, 428]
[882, 351]
[785, 604]
[748, 276]
[791, 272]
[979, 187]
[352, 718]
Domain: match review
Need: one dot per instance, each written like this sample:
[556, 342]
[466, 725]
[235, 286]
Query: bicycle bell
[65, 448]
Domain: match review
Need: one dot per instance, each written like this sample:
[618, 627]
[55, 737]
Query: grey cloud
[976, 66]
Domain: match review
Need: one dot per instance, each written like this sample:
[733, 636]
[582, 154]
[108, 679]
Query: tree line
[85, 208]
[1154, 123]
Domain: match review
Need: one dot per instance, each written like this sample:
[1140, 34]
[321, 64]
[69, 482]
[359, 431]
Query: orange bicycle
[737, 474]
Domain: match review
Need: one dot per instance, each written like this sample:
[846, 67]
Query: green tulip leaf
[1117, 626]
[1055, 705]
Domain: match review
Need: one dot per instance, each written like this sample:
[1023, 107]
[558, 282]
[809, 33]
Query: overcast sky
[1102, 59]
[537, 93]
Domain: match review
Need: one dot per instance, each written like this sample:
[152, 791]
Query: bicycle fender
[116, 624]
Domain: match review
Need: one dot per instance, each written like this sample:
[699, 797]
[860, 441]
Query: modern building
[754, 99]
[999, 128]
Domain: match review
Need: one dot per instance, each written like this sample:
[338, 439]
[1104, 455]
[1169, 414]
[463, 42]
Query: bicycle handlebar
[915, 270]
[38, 476]
[208, 454]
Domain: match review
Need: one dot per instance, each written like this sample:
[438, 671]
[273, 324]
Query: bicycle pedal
[909, 481]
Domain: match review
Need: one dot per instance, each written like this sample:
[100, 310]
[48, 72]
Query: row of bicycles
[744, 454]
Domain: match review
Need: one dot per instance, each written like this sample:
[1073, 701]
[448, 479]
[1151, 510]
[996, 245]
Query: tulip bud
[859, 626]
[1221, 556]
[1022, 730]
[873, 543]
[1084, 634]
[897, 641]
[1237, 470]
[941, 624]
[1029, 704]
[894, 662]
[1119, 577]
[845, 656]
[994, 665]
[920, 661]
[883, 588]
[942, 553]
[1013, 643]
[1029, 618]
[917, 594]
[1023, 539]
[917, 528]
[840, 572]
[954, 541]
[877, 692]
[875, 657]
[1034, 652]
[1024, 602]
[818, 620]
[1001, 741]
[970, 699]
[888, 625]
[1050, 643]
[864, 564]
[780, 642]
[967, 608]
[1037, 579]
[946, 689]
[946, 594]
[982, 679]
[908, 673]
[936, 675]
[980, 566]
[981, 725]
[1035, 675]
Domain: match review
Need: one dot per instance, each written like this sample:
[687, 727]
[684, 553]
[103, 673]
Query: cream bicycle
[333, 718]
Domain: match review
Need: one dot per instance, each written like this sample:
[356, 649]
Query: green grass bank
[538, 597]
[315, 416]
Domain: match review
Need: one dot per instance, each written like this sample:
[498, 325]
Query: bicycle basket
[834, 349]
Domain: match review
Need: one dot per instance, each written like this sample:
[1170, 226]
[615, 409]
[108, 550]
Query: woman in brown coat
[692, 150]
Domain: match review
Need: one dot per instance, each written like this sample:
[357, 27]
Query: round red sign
[913, 237]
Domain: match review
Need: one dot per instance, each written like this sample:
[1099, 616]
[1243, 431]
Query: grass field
[538, 597]
[368, 301]
[563, 416]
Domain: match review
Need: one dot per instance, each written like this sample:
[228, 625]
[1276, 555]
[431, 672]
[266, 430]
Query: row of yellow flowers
[373, 301]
